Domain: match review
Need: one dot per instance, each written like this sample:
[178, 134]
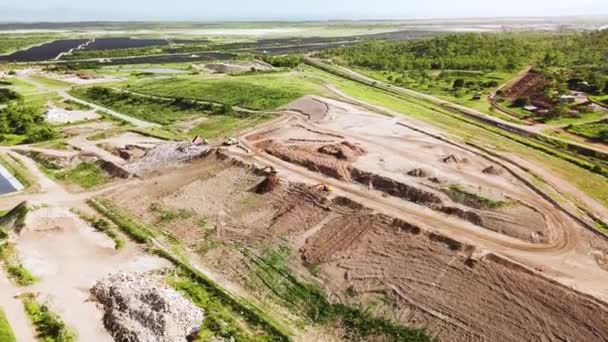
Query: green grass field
[259, 92]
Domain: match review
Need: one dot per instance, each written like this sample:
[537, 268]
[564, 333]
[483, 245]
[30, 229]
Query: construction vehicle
[324, 187]
[230, 142]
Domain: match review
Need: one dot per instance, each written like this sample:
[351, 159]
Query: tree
[458, 83]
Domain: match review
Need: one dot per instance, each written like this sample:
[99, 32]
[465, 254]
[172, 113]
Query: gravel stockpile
[140, 308]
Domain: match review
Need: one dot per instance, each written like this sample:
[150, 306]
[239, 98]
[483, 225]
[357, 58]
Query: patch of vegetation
[462, 196]
[167, 215]
[260, 92]
[24, 124]
[48, 324]
[102, 225]
[272, 270]
[6, 333]
[87, 175]
[594, 130]
[7, 95]
[13, 268]
[158, 110]
[222, 308]
[123, 220]
[286, 61]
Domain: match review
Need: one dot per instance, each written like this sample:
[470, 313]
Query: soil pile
[423, 173]
[140, 308]
[454, 159]
[343, 151]
[268, 185]
[493, 170]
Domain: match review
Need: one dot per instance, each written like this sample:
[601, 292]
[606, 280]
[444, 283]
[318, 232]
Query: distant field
[260, 92]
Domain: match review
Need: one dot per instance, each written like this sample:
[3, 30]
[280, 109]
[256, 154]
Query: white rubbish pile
[166, 155]
[140, 308]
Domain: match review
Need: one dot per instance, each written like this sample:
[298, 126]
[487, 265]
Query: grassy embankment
[6, 333]
[468, 130]
[48, 324]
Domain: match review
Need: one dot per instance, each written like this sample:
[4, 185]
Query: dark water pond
[8, 183]
[123, 43]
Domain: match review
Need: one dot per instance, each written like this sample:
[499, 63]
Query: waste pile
[140, 308]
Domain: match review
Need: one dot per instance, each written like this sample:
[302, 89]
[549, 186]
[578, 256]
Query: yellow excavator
[324, 187]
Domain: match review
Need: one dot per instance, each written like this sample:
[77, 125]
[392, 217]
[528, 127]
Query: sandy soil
[70, 257]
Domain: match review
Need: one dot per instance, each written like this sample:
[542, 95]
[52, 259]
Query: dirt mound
[268, 185]
[343, 151]
[423, 173]
[395, 188]
[454, 159]
[140, 308]
[493, 170]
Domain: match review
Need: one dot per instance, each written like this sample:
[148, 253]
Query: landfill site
[390, 213]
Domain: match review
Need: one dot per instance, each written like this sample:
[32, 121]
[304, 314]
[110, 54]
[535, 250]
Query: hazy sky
[63, 10]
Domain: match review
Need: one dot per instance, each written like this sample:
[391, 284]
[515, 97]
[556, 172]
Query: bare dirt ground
[418, 168]
[457, 291]
[69, 257]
